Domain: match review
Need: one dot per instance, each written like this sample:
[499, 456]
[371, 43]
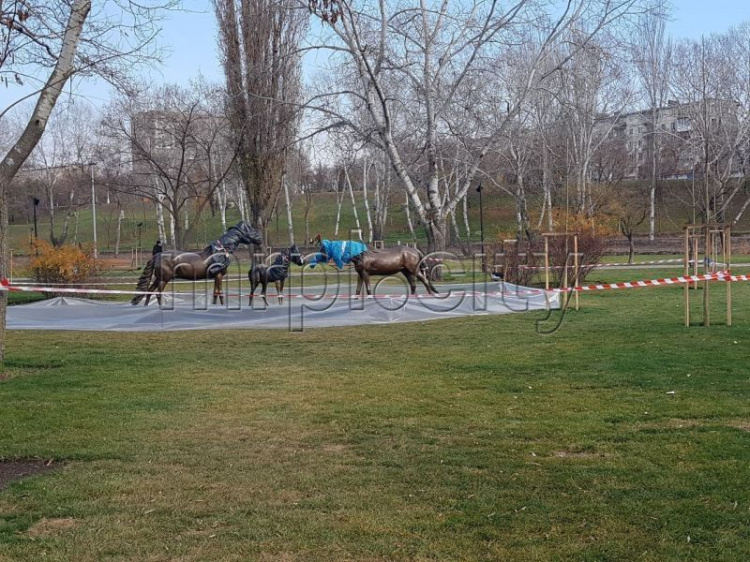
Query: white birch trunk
[408, 218]
[354, 202]
[367, 203]
[160, 218]
[120, 217]
[339, 202]
[222, 194]
[290, 223]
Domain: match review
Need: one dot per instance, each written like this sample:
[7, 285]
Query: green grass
[622, 436]
[498, 217]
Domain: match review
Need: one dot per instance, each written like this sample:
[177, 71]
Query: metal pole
[93, 207]
[36, 232]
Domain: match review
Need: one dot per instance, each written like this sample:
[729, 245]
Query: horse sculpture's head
[248, 234]
[295, 255]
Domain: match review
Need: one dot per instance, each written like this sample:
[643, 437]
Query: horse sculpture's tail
[143, 281]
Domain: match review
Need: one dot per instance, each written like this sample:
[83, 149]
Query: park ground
[623, 435]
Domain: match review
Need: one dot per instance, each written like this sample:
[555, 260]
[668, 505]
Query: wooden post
[575, 266]
[565, 274]
[707, 234]
[546, 263]
[695, 257]
[727, 241]
[687, 272]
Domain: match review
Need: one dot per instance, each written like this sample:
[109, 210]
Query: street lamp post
[481, 224]
[93, 206]
[138, 245]
[36, 203]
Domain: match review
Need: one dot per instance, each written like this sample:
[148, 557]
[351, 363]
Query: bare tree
[714, 115]
[652, 54]
[594, 92]
[63, 153]
[179, 153]
[259, 40]
[446, 63]
[59, 40]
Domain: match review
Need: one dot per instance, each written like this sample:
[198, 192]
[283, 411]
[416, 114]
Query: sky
[190, 39]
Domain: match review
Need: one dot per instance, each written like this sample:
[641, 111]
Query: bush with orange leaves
[65, 265]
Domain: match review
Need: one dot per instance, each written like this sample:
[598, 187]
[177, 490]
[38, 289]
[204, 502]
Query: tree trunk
[654, 176]
[367, 203]
[160, 219]
[631, 247]
[222, 194]
[290, 224]
[354, 201]
[31, 135]
[339, 202]
[173, 228]
[120, 216]
[308, 202]
[407, 210]
[437, 234]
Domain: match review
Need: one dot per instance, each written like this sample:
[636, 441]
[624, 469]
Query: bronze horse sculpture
[210, 263]
[261, 274]
[389, 261]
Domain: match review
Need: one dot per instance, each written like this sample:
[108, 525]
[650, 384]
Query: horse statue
[261, 274]
[210, 263]
[389, 261]
[340, 251]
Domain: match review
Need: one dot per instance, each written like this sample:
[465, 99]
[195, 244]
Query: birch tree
[48, 42]
[652, 54]
[259, 42]
[175, 143]
[429, 57]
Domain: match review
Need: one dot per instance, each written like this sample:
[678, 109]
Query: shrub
[65, 265]
[522, 261]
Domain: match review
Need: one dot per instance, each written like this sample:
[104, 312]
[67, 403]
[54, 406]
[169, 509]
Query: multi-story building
[681, 131]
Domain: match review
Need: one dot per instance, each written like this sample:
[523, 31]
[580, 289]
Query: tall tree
[423, 71]
[259, 41]
[652, 53]
[59, 39]
[179, 153]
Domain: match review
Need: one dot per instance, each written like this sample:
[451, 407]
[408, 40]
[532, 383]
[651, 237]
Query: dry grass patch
[47, 527]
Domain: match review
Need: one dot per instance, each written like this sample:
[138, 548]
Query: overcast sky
[190, 37]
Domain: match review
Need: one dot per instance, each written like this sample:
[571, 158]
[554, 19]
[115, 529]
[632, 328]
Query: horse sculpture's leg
[264, 283]
[410, 278]
[253, 284]
[366, 279]
[427, 283]
[217, 288]
[158, 286]
[280, 291]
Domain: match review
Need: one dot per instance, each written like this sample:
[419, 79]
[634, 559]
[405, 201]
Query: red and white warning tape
[720, 276]
[600, 265]
[5, 285]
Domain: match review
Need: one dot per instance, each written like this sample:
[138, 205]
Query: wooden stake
[546, 263]
[687, 272]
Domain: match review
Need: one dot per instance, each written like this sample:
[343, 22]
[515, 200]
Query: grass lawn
[621, 436]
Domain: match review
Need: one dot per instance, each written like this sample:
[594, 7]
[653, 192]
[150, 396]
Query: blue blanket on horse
[340, 251]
